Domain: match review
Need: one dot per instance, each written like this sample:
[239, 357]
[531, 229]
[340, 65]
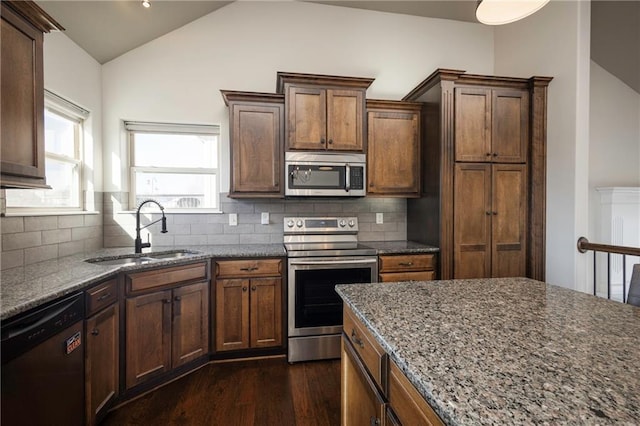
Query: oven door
[314, 306]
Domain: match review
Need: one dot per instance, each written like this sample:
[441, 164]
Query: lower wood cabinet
[249, 306]
[101, 362]
[165, 329]
[374, 391]
[407, 267]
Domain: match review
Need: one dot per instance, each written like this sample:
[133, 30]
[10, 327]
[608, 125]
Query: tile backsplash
[214, 228]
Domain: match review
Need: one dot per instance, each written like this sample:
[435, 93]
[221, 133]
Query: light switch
[264, 219]
[379, 218]
[233, 219]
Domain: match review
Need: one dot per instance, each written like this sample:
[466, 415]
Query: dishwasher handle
[333, 262]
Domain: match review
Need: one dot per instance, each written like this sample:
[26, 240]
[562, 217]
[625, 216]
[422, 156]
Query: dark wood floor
[259, 392]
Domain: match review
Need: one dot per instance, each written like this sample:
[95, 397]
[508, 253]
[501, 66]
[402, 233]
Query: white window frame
[133, 127]
[72, 112]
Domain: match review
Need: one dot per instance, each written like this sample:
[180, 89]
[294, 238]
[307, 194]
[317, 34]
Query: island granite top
[508, 350]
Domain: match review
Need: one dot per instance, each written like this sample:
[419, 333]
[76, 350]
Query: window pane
[177, 190]
[64, 180]
[162, 150]
[59, 134]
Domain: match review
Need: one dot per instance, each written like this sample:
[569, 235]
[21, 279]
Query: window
[175, 164]
[63, 130]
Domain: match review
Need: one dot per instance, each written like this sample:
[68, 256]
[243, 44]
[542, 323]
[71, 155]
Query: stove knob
[299, 223]
[352, 223]
[343, 223]
[290, 223]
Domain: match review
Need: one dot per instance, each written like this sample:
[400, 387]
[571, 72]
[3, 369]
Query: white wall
[72, 73]
[555, 42]
[242, 46]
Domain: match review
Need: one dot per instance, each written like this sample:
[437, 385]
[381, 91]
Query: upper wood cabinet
[491, 125]
[324, 112]
[393, 157]
[256, 131]
[22, 94]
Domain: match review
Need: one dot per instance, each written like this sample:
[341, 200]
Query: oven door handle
[333, 262]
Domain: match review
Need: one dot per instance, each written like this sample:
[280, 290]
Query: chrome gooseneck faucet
[139, 244]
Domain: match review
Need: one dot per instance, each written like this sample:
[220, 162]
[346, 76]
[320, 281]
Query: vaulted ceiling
[107, 29]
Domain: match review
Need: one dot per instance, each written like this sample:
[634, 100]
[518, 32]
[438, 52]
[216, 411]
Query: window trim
[138, 127]
[68, 110]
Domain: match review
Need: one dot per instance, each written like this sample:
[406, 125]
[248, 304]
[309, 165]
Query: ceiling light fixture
[146, 4]
[498, 12]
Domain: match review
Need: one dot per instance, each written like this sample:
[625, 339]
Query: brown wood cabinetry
[256, 132]
[483, 174]
[22, 89]
[393, 157]
[102, 350]
[324, 112]
[167, 324]
[407, 267]
[248, 301]
[374, 391]
[491, 125]
[490, 220]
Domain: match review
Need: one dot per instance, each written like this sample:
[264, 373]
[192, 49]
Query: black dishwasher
[43, 366]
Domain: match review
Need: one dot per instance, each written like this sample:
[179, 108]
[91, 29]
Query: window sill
[50, 213]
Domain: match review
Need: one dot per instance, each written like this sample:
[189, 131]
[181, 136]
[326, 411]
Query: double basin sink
[142, 259]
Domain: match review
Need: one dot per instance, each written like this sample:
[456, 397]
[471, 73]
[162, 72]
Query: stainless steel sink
[122, 261]
[172, 255]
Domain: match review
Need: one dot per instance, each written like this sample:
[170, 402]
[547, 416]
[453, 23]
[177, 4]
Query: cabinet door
[509, 125]
[190, 339]
[22, 109]
[393, 154]
[345, 120]
[148, 323]
[306, 118]
[266, 312]
[101, 362]
[256, 149]
[361, 403]
[509, 221]
[472, 221]
[232, 314]
[473, 125]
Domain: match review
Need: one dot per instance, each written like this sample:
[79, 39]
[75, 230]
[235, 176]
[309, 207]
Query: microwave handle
[347, 172]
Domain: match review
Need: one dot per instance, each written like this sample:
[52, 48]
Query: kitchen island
[508, 350]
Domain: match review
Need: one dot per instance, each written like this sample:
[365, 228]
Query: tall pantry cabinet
[484, 171]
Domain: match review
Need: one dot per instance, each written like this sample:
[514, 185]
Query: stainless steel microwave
[320, 174]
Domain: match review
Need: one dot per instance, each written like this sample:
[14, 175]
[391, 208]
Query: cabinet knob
[495, 213]
[374, 421]
[95, 332]
[253, 288]
[488, 154]
[495, 154]
[330, 141]
[488, 213]
[244, 289]
[322, 141]
[166, 300]
[177, 298]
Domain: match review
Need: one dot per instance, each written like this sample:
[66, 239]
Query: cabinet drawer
[140, 281]
[248, 268]
[408, 262]
[408, 276]
[369, 350]
[405, 401]
[101, 296]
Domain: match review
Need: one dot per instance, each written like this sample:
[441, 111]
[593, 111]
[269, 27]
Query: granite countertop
[399, 247]
[508, 350]
[26, 287]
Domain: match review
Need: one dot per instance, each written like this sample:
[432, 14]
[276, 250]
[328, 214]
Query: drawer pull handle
[104, 296]
[249, 268]
[355, 339]
[95, 332]
[406, 263]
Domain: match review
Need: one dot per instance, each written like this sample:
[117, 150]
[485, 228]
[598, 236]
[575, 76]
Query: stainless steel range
[322, 252]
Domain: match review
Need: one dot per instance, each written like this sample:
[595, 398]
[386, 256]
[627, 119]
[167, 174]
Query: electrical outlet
[379, 218]
[233, 219]
[264, 218]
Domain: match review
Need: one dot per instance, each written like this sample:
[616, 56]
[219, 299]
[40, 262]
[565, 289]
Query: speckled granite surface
[398, 247]
[30, 286]
[510, 350]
